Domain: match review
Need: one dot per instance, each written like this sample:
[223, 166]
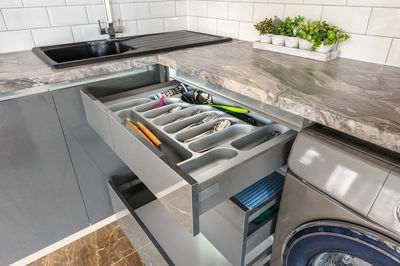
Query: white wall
[374, 24]
[28, 23]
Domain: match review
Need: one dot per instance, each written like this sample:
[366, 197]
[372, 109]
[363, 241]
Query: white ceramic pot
[278, 40]
[267, 38]
[305, 45]
[324, 48]
[292, 42]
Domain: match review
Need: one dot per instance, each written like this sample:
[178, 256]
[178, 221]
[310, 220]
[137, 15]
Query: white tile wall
[20, 18]
[175, 23]
[309, 11]
[385, 22]
[217, 9]
[30, 3]
[240, 11]
[373, 24]
[16, 40]
[10, 3]
[367, 48]
[135, 11]
[95, 13]
[394, 54]
[162, 9]
[351, 19]
[87, 32]
[262, 10]
[67, 15]
[381, 3]
[228, 28]
[208, 25]
[150, 26]
[182, 8]
[51, 36]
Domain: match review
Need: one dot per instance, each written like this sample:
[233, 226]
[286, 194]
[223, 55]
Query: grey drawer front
[185, 197]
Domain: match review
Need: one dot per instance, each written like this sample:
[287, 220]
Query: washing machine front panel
[338, 243]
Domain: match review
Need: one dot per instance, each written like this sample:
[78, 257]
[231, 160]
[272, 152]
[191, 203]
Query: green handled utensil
[233, 109]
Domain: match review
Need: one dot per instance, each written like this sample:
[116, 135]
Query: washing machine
[340, 204]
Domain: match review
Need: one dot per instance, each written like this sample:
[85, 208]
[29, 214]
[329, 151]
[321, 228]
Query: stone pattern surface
[357, 98]
[106, 246]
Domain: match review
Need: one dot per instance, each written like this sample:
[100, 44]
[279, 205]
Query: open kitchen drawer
[188, 178]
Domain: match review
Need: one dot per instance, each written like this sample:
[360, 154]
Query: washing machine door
[337, 243]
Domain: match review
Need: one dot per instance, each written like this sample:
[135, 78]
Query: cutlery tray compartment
[188, 177]
[242, 227]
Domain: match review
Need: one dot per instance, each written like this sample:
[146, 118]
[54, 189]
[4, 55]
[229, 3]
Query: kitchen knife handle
[129, 123]
[148, 133]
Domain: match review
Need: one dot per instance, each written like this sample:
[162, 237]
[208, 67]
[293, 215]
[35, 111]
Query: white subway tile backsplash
[129, 29]
[182, 8]
[16, 41]
[217, 9]
[308, 11]
[150, 26]
[116, 12]
[248, 32]
[262, 11]
[228, 28]
[208, 25]
[378, 3]
[89, 32]
[287, 1]
[193, 23]
[31, 3]
[385, 22]
[366, 48]
[2, 24]
[21, 18]
[197, 8]
[350, 19]
[95, 13]
[326, 2]
[394, 54]
[10, 3]
[83, 2]
[52, 36]
[134, 11]
[67, 15]
[162, 9]
[240, 11]
[175, 23]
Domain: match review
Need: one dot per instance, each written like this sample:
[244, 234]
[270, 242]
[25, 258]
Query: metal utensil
[208, 118]
[198, 111]
[173, 110]
[220, 125]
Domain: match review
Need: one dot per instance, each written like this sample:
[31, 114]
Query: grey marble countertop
[357, 98]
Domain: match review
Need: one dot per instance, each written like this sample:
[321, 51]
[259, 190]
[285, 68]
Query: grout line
[369, 19]
[388, 53]
[33, 39]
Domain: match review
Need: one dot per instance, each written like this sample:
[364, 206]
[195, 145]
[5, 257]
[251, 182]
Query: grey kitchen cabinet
[92, 159]
[40, 200]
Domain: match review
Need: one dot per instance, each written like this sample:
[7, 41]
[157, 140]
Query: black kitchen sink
[88, 50]
[75, 54]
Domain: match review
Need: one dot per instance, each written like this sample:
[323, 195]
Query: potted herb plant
[291, 37]
[319, 36]
[279, 33]
[265, 27]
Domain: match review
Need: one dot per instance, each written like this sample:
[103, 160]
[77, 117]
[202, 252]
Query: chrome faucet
[110, 29]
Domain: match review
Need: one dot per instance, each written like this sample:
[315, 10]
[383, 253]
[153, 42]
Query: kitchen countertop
[358, 98]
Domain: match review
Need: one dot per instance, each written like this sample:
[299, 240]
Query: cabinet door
[40, 201]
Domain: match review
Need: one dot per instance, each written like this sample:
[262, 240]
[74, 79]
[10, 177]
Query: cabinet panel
[39, 195]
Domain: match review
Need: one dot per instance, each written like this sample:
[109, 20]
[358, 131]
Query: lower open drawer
[188, 177]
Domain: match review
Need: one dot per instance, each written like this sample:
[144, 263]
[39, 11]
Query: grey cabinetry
[92, 159]
[40, 201]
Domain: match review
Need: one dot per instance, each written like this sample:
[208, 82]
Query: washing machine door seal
[338, 243]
